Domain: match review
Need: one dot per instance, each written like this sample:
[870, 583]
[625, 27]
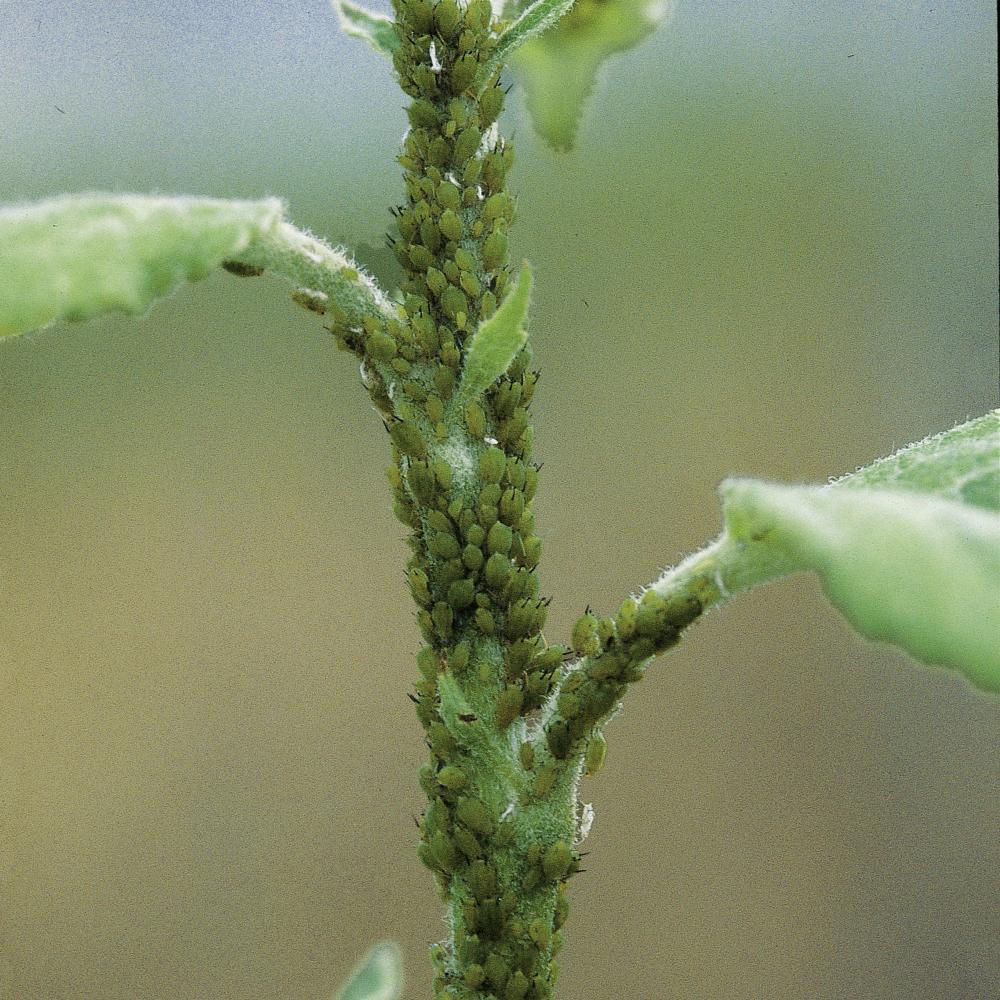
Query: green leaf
[77, 256]
[914, 570]
[532, 21]
[377, 30]
[495, 344]
[558, 68]
[379, 975]
[907, 548]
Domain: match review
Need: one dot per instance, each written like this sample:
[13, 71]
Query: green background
[772, 254]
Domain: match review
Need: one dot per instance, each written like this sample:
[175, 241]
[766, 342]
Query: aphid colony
[473, 569]
[616, 651]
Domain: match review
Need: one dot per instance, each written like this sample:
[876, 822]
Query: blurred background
[772, 253]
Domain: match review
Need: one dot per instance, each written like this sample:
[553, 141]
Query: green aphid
[408, 439]
[448, 196]
[473, 557]
[530, 482]
[490, 105]
[517, 986]
[475, 535]
[444, 545]
[439, 521]
[439, 151]
[568, 705]
[584, 636]
[465, 260]
[420, 257]
[443, 617]
[453, 778]
[539, 932]
[470, 283]
[475, 420]
[461, 594]
[498, 206]
[625, 621]
[442, 743]
[474, 976]
[447, 18]
[471, 172]
[556, 860]
[467, 843]
[458, 111]
[512, 506]
[467, 41]
[496, 969]
[453, 300]
[532, 550]
[489, 495]
[444, 381]
[466, 144]
[465, 521]
[478, 15]
[497, 571]
[381, 347]
[463, 72]
[428, 662]
[470, 197]
[509, 703]
[562, 909]
[597, 750]
[475, 816]
[681, 610]
[558, 739]
[426, 625]
[459, 658]
[451, 269]
[482, 880]
[492, 465]
[421, 481]
[545, 778]
[450, 571]
[422, 114]
[485, 621]
[450, 225]
[436, 281]
[400, 366]
[443, 852]
[520, 618]
[526, 753]
[499, 538]
[605, 630]
[431, 235]
[419, 587]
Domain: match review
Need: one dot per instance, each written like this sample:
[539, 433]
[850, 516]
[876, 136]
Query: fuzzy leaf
[377, 30]
[495, 344]
[379, 975]
[914, 570]
[533, 20]
[77, 256]
[908, 548]
[558, 68]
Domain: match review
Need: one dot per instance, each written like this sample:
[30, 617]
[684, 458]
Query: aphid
[444, 545]
[463, 72]
[467, 843]
[464, 259]
[482, 880]
[558, 739]
[474, 975]
[436, 281]
[459, 658]
[451, 777]
[446, 18]
[461, 594]
[544, 780]
[485, 621]
[420, 257]
[497, 571]
[509, 704]
[584, 635]
[467, 144]
[475, 419]
[442, 743]
[450, 225]
[473, 557]
[526, 753]
[556, 860]
[448, 196]
[470, 283]
[443, 618]
[475, 535]
[499, 538]
[444, 381]
[453, 301]
[475, 816]
[597, 749]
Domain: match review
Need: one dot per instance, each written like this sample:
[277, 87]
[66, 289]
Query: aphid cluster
[616, 651]
[475, 552]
